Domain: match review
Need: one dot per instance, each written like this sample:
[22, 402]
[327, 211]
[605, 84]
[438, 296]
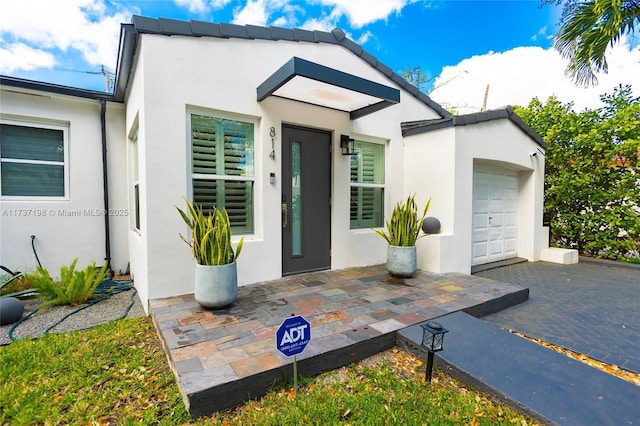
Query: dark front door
[306, 200]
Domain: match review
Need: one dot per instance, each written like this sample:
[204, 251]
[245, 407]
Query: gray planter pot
[216, 286]
[402, 261]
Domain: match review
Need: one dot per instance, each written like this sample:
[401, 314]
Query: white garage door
[495, 215]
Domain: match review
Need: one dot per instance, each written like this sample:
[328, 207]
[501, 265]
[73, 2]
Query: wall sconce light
[432, 339]
[347, 145]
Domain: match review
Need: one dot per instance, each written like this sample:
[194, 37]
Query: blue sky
[464, 46]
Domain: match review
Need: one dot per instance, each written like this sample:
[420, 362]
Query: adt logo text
[293, 335]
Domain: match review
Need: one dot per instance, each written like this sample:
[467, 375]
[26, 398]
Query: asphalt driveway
[592, 307]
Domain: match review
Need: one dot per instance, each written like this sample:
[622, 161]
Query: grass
[112, 373]
[118, 374]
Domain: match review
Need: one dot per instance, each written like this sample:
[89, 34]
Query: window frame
[34, 124]
[134, 181]
[222, 177]
[383, 150]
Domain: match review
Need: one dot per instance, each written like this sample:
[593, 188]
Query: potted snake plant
[402, 232]
[216, 276]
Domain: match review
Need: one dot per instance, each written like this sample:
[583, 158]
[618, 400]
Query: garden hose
[33, 247]
[103, 291]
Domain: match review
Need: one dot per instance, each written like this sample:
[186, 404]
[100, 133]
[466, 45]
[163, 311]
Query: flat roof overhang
[316, 84]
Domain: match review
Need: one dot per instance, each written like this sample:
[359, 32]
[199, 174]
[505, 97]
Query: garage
[495, 214]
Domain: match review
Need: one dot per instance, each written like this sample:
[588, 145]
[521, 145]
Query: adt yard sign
[293, 335]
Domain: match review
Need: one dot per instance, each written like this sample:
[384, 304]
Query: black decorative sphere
[11, 310]
[431, 225]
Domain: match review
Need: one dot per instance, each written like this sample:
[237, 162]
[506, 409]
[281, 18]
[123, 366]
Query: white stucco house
[257, 120]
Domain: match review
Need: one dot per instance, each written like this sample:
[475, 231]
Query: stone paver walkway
[590, 308]
[223, 357]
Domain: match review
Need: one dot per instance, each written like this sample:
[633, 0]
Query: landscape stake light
[432, 339]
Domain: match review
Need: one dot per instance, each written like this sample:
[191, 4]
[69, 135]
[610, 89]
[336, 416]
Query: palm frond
[588, 28]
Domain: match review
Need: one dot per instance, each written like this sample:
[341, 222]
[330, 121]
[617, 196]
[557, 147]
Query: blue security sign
[293, 335]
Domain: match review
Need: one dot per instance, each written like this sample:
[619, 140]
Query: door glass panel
[296, 199]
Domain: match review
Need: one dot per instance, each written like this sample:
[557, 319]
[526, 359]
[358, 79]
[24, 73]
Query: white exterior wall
[117, 180]
[502, 143]
[136, 124]
[174, 76]
[431, 172]
[65, 229]
[442, 163]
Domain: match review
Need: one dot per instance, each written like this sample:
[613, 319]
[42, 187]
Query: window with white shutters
[367, 185]
[33, 160]
[222, 168]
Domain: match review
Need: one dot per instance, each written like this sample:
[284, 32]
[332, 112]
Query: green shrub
[74, 287]
[592, 166]
[404, 228]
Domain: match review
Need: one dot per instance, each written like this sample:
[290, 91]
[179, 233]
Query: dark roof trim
[161, 26]
[54, 88]
[303, 68]
[126, 49]
[370, 109]
[416, 127]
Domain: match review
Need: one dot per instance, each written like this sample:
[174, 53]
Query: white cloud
[323, 24]
[194, 6]
[518, 75]
[257, 12]
[361, 13]
[202, 6]
[364, 37]
[543, 32]
[83, 25]
[254, 12]
[358, 13]
[20, 56]
[289, 17]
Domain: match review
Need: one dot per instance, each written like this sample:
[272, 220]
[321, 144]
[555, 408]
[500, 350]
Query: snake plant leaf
[211, 235]
[404, 227]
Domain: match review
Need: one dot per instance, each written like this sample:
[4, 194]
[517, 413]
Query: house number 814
[272, 133]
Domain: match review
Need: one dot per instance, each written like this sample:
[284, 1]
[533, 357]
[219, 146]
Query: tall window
[135, 180]
[222, 168]
[32, 160]
[367, 185]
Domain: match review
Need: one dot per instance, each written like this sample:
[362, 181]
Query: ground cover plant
[74, 287]
[117, 374]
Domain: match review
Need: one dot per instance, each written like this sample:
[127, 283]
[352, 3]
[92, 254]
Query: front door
[306, 200]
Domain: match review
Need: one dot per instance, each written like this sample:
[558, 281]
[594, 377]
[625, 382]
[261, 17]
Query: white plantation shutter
[222, 168]
[367, 185]
[204, 146]
[205, 193]
[239, 204]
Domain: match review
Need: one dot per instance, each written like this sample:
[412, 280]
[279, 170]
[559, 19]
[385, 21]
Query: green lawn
[118, 374]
